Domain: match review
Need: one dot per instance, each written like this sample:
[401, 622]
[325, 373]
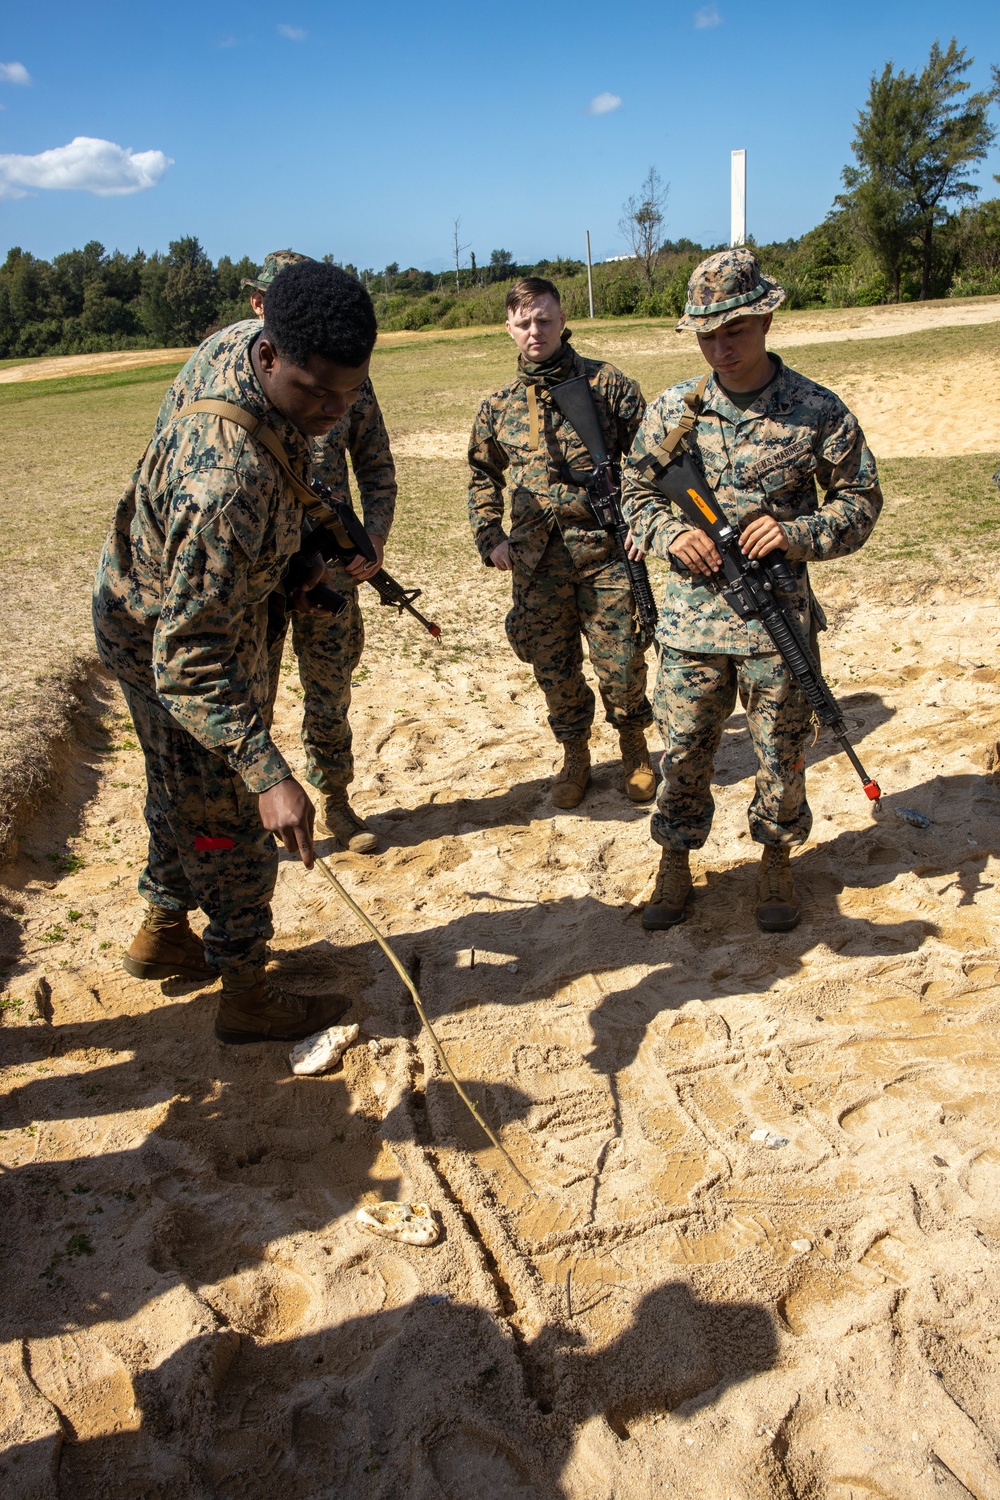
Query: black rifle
[297, 571]
[344, 538]
[603, 484]
[753, 588]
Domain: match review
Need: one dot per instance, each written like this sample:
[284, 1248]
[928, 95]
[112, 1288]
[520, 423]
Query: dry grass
[71, 444]
[66, 457]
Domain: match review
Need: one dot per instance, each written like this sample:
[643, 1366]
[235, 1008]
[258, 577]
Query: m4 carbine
[754, 589]
[344, 538]
[603, 484]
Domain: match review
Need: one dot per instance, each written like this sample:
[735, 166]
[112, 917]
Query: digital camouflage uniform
[794, 437]
[329, 649]
[567, 574]
[199, 541]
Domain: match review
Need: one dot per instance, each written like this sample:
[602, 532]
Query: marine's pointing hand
[288, 813]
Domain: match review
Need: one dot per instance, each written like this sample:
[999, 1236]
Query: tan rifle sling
[261, 433]
[666, 451]
[535, 418]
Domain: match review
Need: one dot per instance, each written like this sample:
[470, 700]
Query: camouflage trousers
[551, 607]
[192, 794]
[328, 652]
[694, 696]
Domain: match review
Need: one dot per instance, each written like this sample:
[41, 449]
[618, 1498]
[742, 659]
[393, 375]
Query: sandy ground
[190, 1308]
[954, 411]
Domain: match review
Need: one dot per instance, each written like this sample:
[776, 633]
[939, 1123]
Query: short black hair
[312, 308]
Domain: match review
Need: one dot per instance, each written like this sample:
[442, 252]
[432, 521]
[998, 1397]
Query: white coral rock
[407, 1223]
[321, 1051]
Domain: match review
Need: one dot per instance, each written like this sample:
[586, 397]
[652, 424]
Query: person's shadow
[442, 1401]
[738, 958]
[200, 1155]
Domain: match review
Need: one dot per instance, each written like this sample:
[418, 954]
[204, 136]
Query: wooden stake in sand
[473, 1109]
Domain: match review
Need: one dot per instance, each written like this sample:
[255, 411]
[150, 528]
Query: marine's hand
[762, 536]
[696, 551]
[287, 812]
[500, 556]
[359, 567]
[633, 549]
[298, 601]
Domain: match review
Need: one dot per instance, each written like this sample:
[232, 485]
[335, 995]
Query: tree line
[906, 226]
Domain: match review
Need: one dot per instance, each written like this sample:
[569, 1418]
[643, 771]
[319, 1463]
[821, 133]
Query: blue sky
[365, 131]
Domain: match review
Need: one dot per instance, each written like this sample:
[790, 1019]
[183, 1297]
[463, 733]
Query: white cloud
[603, 104]
[86, 164]
[14, 73]
[292, 33]
[707, 16]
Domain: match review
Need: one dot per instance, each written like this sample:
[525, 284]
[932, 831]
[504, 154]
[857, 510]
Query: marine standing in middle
[568, 578]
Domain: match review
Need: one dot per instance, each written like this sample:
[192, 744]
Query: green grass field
[70, 446]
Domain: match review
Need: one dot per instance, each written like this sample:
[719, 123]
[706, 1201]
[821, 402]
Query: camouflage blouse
[540, 497]
[361, 433]
[200, 538]
[797, 454]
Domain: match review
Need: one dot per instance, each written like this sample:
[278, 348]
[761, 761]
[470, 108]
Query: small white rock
[769, 1138]
[407, 1223]
[321, 1051]
[375, 1047]
[802, 1246]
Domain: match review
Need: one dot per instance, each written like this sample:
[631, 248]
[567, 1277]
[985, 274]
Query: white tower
[738, 216]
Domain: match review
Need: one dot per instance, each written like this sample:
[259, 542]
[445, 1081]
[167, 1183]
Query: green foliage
[914, 144]
[87, 301]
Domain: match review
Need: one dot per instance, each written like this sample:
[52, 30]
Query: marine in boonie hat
[276, 261]
[728, 285]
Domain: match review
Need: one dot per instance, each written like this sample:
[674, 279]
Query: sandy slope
[60, 366]
[201, 1317]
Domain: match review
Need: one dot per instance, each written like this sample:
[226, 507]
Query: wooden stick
[473, 1109]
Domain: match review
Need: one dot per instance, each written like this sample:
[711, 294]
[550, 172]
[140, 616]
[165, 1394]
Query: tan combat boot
[777, 907]
[166, 948]
[671, 891]
[254, 1009]
[639, 779]
[574, 778]
[340, 819]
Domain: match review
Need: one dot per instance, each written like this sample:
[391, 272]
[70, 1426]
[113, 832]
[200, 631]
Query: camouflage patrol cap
[276, 261]
[726, 286]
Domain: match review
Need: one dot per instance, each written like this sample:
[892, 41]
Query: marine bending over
[199, 542]
[328, 651]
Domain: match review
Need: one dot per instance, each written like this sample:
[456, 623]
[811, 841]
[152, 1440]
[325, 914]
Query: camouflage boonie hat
[273, 263]
[726, 286]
